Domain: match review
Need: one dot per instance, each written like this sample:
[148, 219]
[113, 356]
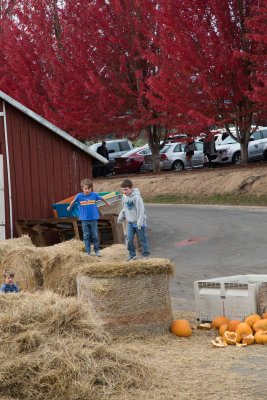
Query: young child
[88, 214]
[134, 212]
[9, 286]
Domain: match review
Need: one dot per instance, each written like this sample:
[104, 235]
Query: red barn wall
[44, 167]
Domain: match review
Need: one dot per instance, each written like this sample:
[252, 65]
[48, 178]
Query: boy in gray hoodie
[134, 212]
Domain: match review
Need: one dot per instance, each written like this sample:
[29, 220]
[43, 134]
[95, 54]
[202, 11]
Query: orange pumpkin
[242, 330]
[260, 325]
[248, 339]
[229, 337]
[251, 319]
[181, 328]
[218, 321]
[261, 337]
[264, 315]
[222, 329]
[232, 325]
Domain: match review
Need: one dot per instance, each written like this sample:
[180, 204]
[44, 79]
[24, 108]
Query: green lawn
[230, 199]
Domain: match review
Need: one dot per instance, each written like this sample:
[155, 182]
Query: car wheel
[265, 155]
[142, 169]
[236, 158]
[177, 166]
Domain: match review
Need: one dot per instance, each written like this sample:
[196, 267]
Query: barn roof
[52, 127]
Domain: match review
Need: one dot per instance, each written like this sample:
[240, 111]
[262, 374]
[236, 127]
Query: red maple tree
[209, 72]
[124, 66]
[257, 25]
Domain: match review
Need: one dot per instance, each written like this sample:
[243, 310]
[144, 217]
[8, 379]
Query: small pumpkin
[261, 337]
[264, 315]
[242, 330]
[181, 328]
[260, 325]
[248, 339]
[229, 337]
[251, 319]
[218, 321]
[232, 325]
[222, 329]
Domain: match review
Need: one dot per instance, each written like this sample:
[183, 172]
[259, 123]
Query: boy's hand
[68, 209]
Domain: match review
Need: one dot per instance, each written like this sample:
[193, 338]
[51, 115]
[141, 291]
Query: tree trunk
[155, 135]
[244, 152]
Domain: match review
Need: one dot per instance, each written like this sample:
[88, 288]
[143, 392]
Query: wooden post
[76, 230]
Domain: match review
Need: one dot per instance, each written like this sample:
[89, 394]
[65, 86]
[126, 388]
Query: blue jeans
[142, 237]
[90, 235]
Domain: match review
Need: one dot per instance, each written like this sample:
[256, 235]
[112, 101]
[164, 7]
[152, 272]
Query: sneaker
[145, 255]
[97, 253]
[130, 258]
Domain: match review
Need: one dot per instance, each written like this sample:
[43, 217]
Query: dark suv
[115, 149]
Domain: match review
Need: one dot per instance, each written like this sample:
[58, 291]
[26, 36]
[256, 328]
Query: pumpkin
[181, 328]
[264, 315]
[229, 337]
[260, 325]
[218, 321]
[242, 330]
[261, 337]
[251, 319]
[232, 325]
[248, 339]
[219, 342]
[222, 329]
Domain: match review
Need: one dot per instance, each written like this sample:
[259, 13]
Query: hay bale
[9, 244]
[116, 252]
[57, 351]
[27, 265]
[60, 271]
[129, 297]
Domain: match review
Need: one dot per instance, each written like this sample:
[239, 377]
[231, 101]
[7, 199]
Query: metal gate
[2, 201]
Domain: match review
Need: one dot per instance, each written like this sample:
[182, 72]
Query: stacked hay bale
[29, 263]
[26, 262]
[9, 244]
[51, 348]
[129, 297]
[125, 297]
[60, 271]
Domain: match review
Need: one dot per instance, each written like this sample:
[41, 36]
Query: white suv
[229, 150]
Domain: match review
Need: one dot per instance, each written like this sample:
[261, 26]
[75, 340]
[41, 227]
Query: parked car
[115, 149]
[229, 150]
[132, 161]
[173, 157]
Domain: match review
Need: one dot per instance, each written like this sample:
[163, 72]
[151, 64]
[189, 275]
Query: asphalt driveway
[207, 242]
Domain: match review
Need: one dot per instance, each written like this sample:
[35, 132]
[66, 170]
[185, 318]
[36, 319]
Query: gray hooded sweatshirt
[133, 209]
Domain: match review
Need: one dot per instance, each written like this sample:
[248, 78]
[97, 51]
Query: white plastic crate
[234, 297]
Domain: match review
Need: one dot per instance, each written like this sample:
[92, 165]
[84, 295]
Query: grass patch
[237, 199]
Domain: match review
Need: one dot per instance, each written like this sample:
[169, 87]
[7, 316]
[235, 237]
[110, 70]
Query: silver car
[173, 157]
[229, 150]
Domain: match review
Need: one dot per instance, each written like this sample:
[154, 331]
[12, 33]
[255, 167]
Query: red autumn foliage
[124, 67]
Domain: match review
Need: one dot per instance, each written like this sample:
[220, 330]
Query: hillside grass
[237, 199]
